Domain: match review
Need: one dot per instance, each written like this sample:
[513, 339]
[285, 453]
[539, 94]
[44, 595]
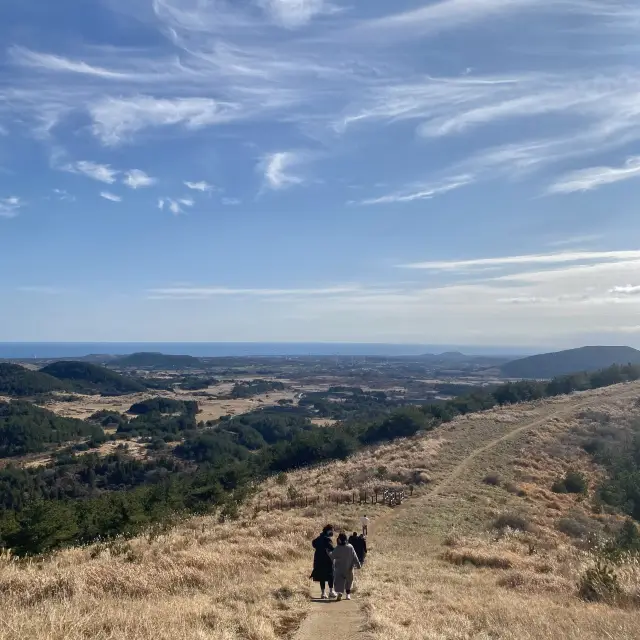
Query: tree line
[77, 498]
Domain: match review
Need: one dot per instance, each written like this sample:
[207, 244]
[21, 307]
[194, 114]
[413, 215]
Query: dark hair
[327, 527]
[342, 538]
[354, 533]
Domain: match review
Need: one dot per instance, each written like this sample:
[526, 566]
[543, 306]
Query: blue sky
[461, 171]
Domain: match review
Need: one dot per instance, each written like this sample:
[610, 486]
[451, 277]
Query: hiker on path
[360, 546]
[353, 540]
[323, 562]
[345, 560]
[364, 521]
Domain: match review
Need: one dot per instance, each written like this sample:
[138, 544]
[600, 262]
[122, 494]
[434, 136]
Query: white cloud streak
[116, 120]
[93, 170]
[203, 186]
[292, 14]
[551, 258]
[49, 62]
[595, 177]
[210, 292]
[422, 192]
[437, 16]
[110, 196]
[136, 179]
[9, 207]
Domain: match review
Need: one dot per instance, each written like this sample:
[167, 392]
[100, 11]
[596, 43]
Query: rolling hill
[158, 361]
[20, 382]
[549, 365]
[25, 428]
[90, 378]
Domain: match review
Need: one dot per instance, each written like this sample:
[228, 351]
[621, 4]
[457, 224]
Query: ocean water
[205, 349]
[219, 349]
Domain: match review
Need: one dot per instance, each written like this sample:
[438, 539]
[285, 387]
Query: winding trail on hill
[329, 618]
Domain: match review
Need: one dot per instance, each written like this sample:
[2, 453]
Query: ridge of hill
[550, 365]
[158, 360]
[18, 381]
[85, 377]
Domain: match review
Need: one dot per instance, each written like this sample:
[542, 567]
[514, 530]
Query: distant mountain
[549, 365]
[155, 360]
[20, 382]
[85, 377]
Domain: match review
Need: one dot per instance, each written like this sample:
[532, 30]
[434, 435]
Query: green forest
[79, 496]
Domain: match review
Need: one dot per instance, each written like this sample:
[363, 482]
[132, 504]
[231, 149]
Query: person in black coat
[353, 540]
[361, 548]
[322, 562]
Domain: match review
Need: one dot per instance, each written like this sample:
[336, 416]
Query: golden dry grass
[436, 568]
[441, 571]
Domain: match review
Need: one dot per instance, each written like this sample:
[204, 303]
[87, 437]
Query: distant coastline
[44, 350]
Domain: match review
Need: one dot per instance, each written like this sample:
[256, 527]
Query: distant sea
[46, 350]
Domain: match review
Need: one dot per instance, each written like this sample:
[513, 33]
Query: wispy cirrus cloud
[116, 120]
[107, 195]
[211, 292]
[202, 186]
[443, 15]
[437, 16]
[49, 62]
[296, 13]
[93, 170]
[582, 239]
[9, 207]
[277, 169]
[595, 177]
[422, 192]
[137, 179]
[531, 259]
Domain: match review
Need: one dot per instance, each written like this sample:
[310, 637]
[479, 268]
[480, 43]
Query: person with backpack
[345, 561]
[323, 562]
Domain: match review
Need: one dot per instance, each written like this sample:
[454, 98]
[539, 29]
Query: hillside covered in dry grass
[484, 549]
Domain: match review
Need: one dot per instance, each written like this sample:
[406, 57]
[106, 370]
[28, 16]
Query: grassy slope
[441, 571]
[248, 579]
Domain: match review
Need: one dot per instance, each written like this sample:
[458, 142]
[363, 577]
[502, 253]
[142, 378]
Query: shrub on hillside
[512, 521]
[599, 584]
[573, 482]
[492, 479]
[577, 527]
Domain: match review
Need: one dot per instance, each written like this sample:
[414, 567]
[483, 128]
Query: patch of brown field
[134, 449]
[211, 407]
[323, 422]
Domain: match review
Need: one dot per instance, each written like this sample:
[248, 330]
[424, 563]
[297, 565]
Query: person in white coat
[345, 560]
[364, 521]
